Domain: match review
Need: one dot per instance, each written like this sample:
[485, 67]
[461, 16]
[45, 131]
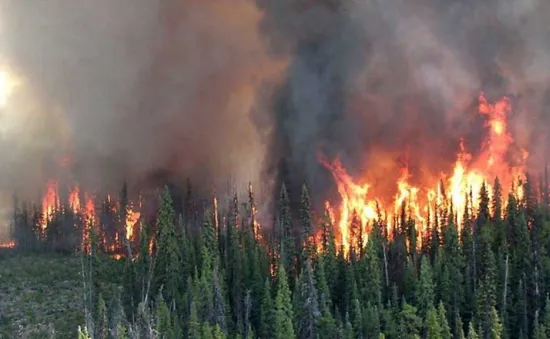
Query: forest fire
[9, 244]
[455, 194]
[82, 206]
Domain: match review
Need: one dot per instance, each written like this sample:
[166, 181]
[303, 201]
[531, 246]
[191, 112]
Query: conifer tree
[163, 321]
[372, 280]
[410, 324]
[433, 328]
[496, 326]
[308, 311]
[484, 214]
[328, 328]
[193, 324]
[266, 312]
[102, 323]
[356, 318]
[371, 321]
[329, 251]
[472, 334]
[486, 294]
[443, 323]
[283, 313]
[168, 263]
[308, 243]
[218, 302]
[459, 329]
[425, 289]
[286, 232]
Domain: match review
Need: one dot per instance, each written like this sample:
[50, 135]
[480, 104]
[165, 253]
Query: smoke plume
[255, 90]
[129, 89]
[384, 84]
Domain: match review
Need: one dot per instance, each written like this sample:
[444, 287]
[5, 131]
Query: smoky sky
[239, 91]
[127, 89]
[393, 83]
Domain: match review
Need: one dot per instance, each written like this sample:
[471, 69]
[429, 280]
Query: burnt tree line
[196, 271]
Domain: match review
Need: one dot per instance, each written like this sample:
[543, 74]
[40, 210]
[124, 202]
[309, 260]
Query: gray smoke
[127, 89]
[224, 90]
[387, 83]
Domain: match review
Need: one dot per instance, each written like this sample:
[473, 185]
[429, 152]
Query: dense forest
[199, 270]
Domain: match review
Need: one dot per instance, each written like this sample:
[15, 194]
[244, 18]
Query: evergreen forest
[199, 270]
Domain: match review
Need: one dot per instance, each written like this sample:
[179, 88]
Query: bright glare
[7, 85]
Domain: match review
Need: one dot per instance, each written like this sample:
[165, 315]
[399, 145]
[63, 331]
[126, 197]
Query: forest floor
[40, 296]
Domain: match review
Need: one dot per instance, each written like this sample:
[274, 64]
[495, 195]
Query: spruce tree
[168, 263]
[308, 311]
[287, 250]
[266, 312]
[308, 241]
[496, 326]
[443, 323]
[193, 324]
[163, 321]
[472, 334]
[371, 321]
[433, 328]
[425, 289]
[283, 313]
[102, 322]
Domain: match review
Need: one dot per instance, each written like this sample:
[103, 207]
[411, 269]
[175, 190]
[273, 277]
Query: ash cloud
[387, 83]
[128, 89]
[253, 90]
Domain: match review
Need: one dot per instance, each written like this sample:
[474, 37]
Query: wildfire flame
[9, 244]
[450, 191]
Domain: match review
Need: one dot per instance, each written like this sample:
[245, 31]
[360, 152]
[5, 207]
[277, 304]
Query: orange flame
[466, 181]
[9, 244]
[49, 203]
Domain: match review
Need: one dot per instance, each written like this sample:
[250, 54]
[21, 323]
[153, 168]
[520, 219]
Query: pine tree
[486, 294]
[356, 318]
[287, 250]
[283, 313]
[193, 324]
[425, 289]
[163, 320]
[472, 332]
[308, 312]
[372, 279]
[327, 326]
[484, 215]
[168, 263]
[496, 326]
[459, 330]
[410, 324]
[329, 252]
[102, 323]
[218, 302]
[443, 324]
[308, 242]
[355, 236]
[266, 312]
[433, 328]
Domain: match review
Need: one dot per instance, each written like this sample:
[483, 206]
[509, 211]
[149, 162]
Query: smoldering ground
[254, 90]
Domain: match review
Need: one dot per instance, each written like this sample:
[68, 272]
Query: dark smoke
[384, 84]
[221, 90]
